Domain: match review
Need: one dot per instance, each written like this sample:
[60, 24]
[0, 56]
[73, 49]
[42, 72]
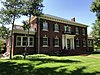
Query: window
[90, 43]
[77, 42]
[67, 29]
[77, 30]
[45, 26]
[56, 27]
[83, 31]
[56, 42]
[31, 41]
[84, 42]
[21, 41]
[45, 41]
[24, 41]
[18, 41]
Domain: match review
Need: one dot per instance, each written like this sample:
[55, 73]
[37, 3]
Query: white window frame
[32, 42]
[56, 27]
[67, 29]
[90, 43]
[83, 31]
[22, 41]
[56, 38]
[77, 30]
[45, 26]
[45, 37]
[84, 42]
[78, 42]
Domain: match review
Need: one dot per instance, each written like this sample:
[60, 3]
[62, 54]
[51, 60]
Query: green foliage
[95, 7]
[10, 11]
[18, 57]
[96, 32]
[36, 56]
[32, 7]
[5, 32]
[1, 44]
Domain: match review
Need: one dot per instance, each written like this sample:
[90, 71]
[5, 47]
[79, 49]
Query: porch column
[73, 44]
[63, 42]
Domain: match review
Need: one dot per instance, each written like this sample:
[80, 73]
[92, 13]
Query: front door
[68, 44]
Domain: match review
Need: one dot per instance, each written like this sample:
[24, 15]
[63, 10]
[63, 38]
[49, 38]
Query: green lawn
[52, 65]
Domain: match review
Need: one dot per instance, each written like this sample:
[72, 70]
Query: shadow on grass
[47, 60]
[13, 68]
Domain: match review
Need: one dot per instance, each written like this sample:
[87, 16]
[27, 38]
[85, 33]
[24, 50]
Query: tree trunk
[12, 38]
[38, 28]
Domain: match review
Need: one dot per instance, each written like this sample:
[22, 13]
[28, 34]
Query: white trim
[57, 42]
[45, 24]
[64, 41]
[45, 37]
[56, 25]
[22, 41]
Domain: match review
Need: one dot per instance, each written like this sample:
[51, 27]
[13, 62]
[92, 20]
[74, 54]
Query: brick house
[57, 36]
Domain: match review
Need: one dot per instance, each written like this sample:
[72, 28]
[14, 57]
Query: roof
[61, 20]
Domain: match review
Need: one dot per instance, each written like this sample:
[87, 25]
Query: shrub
[36, 56]
[18, 57]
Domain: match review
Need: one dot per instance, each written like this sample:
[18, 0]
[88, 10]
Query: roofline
[61, 20]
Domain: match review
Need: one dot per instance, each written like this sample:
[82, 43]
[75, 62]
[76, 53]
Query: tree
[1, 45]
[10, 11]
[95, 8]
[31, 8]
[96, 32]
[5, 32]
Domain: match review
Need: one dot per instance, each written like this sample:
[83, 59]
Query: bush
[18, 57]
[35, 56]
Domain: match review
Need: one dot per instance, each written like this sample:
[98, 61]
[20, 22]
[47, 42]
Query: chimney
[73, 19]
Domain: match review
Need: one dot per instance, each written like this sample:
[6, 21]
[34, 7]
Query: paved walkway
[93, 56]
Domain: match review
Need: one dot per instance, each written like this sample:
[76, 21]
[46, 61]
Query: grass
[52, 65]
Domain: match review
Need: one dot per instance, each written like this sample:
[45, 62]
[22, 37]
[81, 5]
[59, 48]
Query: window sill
[44, 29]
[83, 34]
[24, 46]
[77, 46]
[56, 46]
[84, 46]
[45, 46]
[56, 31]
[77, 33]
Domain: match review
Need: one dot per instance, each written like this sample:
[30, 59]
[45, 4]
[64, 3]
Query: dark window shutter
[41, 41]
[53, 41]
[53, 27]
[59, 28]
[48, 41]
[59, 41]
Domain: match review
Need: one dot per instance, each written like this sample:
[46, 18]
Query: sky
[80, 9]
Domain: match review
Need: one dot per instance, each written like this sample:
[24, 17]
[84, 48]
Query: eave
[61, 20]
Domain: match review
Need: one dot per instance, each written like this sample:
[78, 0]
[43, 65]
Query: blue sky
[80, 9]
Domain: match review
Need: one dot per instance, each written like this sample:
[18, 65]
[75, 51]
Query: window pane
[45, 41]
[31, 42]
[18, 41]
[56, 42]
[24, 41]
[56, 27]
[45, 26]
